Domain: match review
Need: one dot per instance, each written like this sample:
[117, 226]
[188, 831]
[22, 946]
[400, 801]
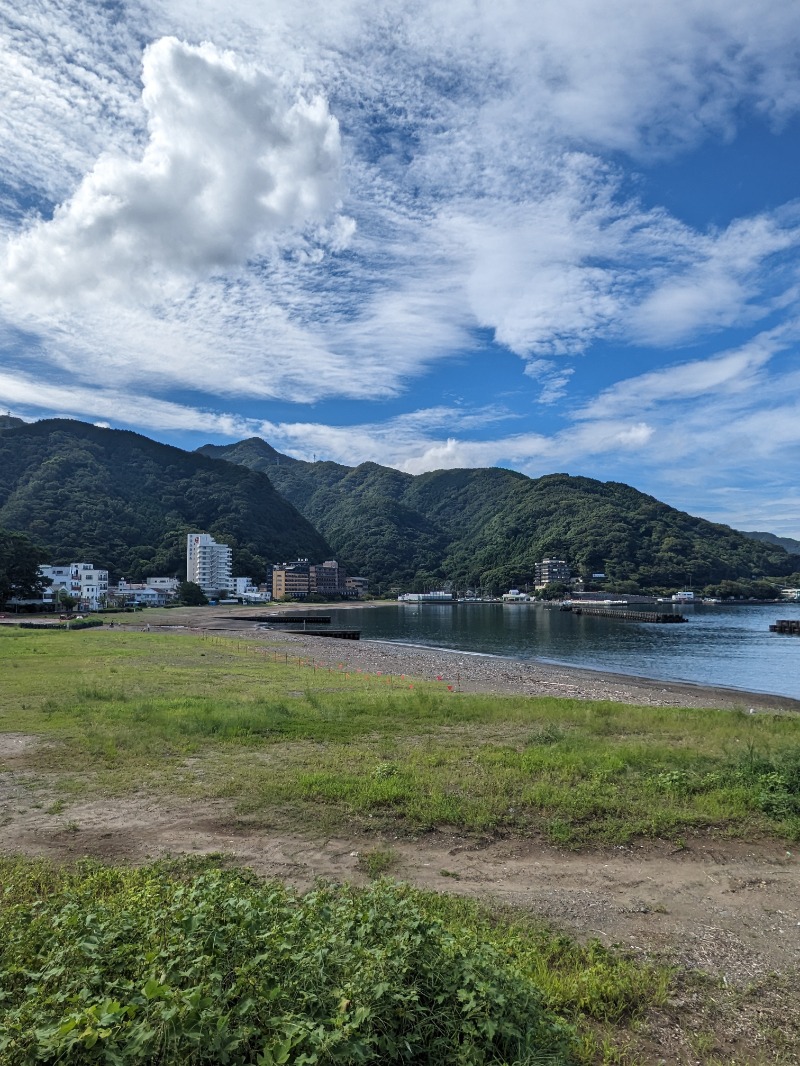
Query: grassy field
[217, 717]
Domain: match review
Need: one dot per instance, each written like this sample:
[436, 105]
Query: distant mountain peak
[788, 544]
[489, 526]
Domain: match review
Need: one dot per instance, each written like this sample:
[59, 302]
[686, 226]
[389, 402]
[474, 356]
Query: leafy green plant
[159, 965]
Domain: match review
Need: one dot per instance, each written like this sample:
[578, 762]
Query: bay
[720, 645]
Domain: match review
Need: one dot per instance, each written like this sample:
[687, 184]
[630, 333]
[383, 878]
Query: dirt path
[728, 908]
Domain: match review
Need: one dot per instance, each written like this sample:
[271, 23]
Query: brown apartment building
[299, 578]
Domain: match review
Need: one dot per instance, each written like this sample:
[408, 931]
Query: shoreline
[498, 675]
[466, 671]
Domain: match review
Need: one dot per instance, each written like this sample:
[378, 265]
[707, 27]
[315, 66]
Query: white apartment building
[208, 564]
[82, 580]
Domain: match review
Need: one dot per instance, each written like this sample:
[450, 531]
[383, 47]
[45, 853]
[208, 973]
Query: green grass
[237, 719]
[375, 862]
[188, 962]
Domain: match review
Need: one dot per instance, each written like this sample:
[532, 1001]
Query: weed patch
[164, 965]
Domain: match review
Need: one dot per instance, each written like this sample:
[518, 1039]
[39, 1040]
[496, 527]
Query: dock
[337, 634]
[628, 616]
[786, 625]
[285, 619]
[305, 625]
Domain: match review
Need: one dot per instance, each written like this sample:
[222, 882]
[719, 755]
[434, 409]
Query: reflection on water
[719, 645]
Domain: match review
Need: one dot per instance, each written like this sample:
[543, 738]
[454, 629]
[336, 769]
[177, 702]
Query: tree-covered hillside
[488, 527]
[126, 503]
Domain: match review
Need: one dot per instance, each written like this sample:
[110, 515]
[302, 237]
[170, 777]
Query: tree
[554, 590]
[66, 601]
[20, 559]
[191, 595]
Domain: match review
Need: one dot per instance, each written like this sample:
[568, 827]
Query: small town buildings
[291, 580]
[356, 586]
[244, 589]
[426, 597]
[550, 570]
[83, 581]
[168, 585]
[153, 592]
[136, 594]
[329, 579]
[515, 596]
[208, 564]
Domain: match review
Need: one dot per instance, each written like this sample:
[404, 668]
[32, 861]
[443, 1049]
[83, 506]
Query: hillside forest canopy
[487, 528]
[126, 503]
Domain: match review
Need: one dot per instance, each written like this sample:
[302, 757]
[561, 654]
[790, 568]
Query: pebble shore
[485, 673]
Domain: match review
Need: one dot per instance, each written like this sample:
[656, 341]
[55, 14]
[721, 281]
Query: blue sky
[554, 237]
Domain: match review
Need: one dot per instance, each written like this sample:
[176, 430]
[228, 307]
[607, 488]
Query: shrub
[148, 965]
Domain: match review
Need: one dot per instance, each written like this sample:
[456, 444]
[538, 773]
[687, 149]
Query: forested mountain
[488, 527]
[125, 502]
[787, 543]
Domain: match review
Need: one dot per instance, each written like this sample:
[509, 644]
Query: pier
[786, 625]
[305, 624]
[284, 619]
[628, 616]
[338, 634]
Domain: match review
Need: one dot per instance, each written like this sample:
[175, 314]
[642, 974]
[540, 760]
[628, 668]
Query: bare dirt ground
[726, 909]
[729, 908]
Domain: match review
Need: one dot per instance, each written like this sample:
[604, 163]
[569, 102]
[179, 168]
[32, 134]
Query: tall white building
[208, 564]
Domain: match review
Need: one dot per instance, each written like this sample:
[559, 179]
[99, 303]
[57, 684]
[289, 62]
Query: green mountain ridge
[488, 527]
[126, 502]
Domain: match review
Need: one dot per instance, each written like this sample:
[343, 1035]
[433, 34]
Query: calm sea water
[719, 645]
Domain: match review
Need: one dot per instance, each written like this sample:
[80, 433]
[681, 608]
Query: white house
[83, 581]
[167, 585]
[144, 594]
[244, 589]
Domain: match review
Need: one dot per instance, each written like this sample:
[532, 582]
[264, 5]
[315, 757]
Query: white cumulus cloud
[231, 163]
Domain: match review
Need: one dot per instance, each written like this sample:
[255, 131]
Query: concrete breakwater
[627, 616]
